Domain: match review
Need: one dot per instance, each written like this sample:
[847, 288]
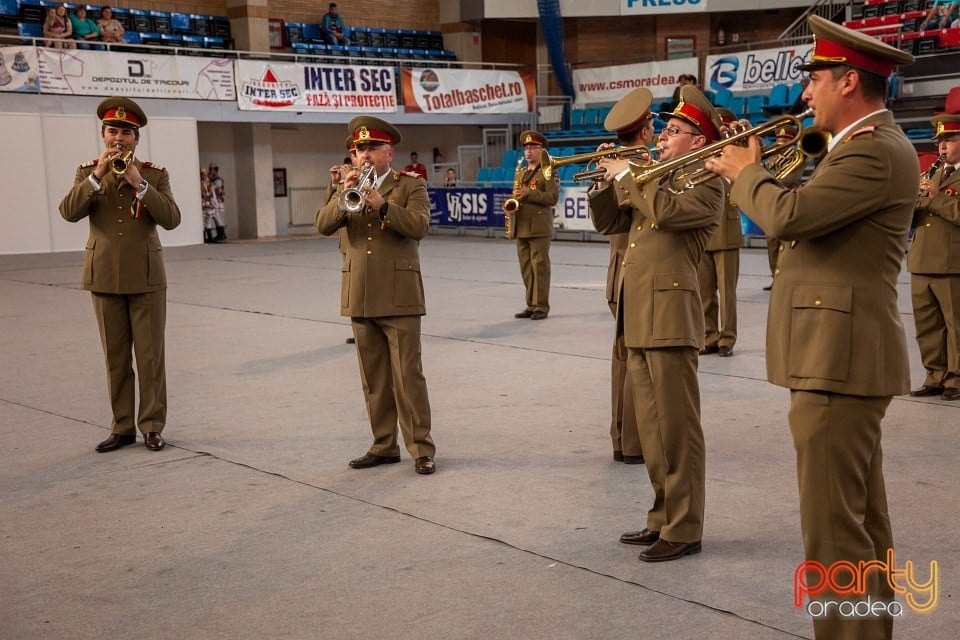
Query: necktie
[947, 172]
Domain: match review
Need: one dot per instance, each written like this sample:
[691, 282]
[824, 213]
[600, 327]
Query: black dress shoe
[115, 441]
[665, 550]
[526, 313]
[368, 460]
[725, 352]
[351, 340]
[633, 459]
[425, 465]
[951, 394]
[926, 390]
[768, 287]
[710, 348]
[618, 456]
[645, 537]
[538, 315]
[154, 441]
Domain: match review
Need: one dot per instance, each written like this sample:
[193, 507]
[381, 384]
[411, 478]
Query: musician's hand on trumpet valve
[733, 158]
[118, 159]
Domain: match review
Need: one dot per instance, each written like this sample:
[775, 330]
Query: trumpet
[119, 164]
[812, 143]
[690, 173]
[351, 200]
[551, 164]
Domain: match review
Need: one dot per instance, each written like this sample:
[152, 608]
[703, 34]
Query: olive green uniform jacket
[833, 323]
[534, 217]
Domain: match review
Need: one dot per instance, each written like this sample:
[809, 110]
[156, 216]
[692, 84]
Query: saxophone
[511, 205]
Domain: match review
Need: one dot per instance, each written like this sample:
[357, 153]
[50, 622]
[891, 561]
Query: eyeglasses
[674, 131]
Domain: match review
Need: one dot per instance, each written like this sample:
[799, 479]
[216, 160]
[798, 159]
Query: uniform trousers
[134, 324]
[843, 500]
[394, 387]
[936, 313]
[666, 396]
[719, 272]
[623, 424]
[534, 255]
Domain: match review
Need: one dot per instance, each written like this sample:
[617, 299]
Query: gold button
[369, 252]
[633, 244]
[369, 225]
[817, 302]
[409, 266]
[927, 225]
[776, 271]
[120, 233]
[676, 284]
[119, 220]
[369, 237]
[623, 264]
[781, 248]
[793, 243]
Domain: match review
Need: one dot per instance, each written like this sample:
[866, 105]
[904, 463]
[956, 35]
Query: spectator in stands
[834, 334]
[532, 225]
[110, 28]
[941, 14]
[85, 30]
[451, 179]
[57, 28]
[632, 121]
[683, 80]
[383, 296]
[218, 190]
[415, 166]
[661, 319]
[934, 267]
[719, 272]
[332, 28]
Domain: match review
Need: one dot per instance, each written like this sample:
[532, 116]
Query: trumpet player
[719, 272]
[631, 130]
[934, 266]
[383, 295]
[834, 334]
[123, 269]
[533, 222]
[660, 317]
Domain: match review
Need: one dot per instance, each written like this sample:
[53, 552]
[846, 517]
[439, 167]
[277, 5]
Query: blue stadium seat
[723, 98]
[132, 37]
[181, 23]
[214, 42]
[796, 90]
[140, 21]
[779, 99]
[738, 105]
[149, 37]
[311, 32]
[29, 30]
[220, 27]
[171, 39]
[9, 8]
[485, 175]
[200, 24]
[194, 42]
[755, 108]
[30, 11]
[161, 21]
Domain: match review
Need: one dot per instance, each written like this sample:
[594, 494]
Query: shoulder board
[90, 163]
[153, 165]
[870, 128]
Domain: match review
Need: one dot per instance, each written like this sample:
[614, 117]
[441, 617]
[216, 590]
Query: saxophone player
[533, 226]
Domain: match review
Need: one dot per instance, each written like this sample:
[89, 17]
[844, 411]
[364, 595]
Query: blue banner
[467, 207]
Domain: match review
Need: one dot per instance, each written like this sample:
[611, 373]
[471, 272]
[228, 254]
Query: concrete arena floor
[251, 525]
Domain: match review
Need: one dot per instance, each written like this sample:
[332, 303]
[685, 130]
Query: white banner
[473, 91]
[756, 70]
[609, 84]
[136, 75]
[18, 69]
[661, 7]
[288, 86]
[573, 209]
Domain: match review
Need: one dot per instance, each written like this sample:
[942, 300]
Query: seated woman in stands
[57, 28]
[941, 14]
[110, 28]
[84, 29]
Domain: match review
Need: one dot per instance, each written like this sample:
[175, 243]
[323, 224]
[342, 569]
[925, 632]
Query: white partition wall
[40, 156]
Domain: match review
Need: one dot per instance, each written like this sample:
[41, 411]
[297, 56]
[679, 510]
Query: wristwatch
[143, 186]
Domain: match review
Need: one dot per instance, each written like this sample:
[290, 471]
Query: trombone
[690, 173]
[550, 164]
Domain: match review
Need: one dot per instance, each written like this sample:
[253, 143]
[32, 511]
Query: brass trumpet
[119, 164]
[812, 143]
[550, 164]
[351, 200]
[690, 173]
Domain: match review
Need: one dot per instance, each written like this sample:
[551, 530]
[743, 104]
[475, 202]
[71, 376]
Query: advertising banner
[18, 69]
[289, 86]
[473, 91]
[661, 7]
[573, 209]
[756, 70]
[467, 207]
[609, 84]
[136, 75]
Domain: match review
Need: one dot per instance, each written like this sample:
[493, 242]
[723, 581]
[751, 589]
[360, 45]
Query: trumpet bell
[119, 164]
[352, 200]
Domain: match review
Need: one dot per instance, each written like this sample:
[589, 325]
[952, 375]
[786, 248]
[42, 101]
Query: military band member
[660, 316]
[382, 293]
[934, 265]
[533, 220]
[834, 335]
[719, 273]
[793, 179]
[632, 130]
[124, 199]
